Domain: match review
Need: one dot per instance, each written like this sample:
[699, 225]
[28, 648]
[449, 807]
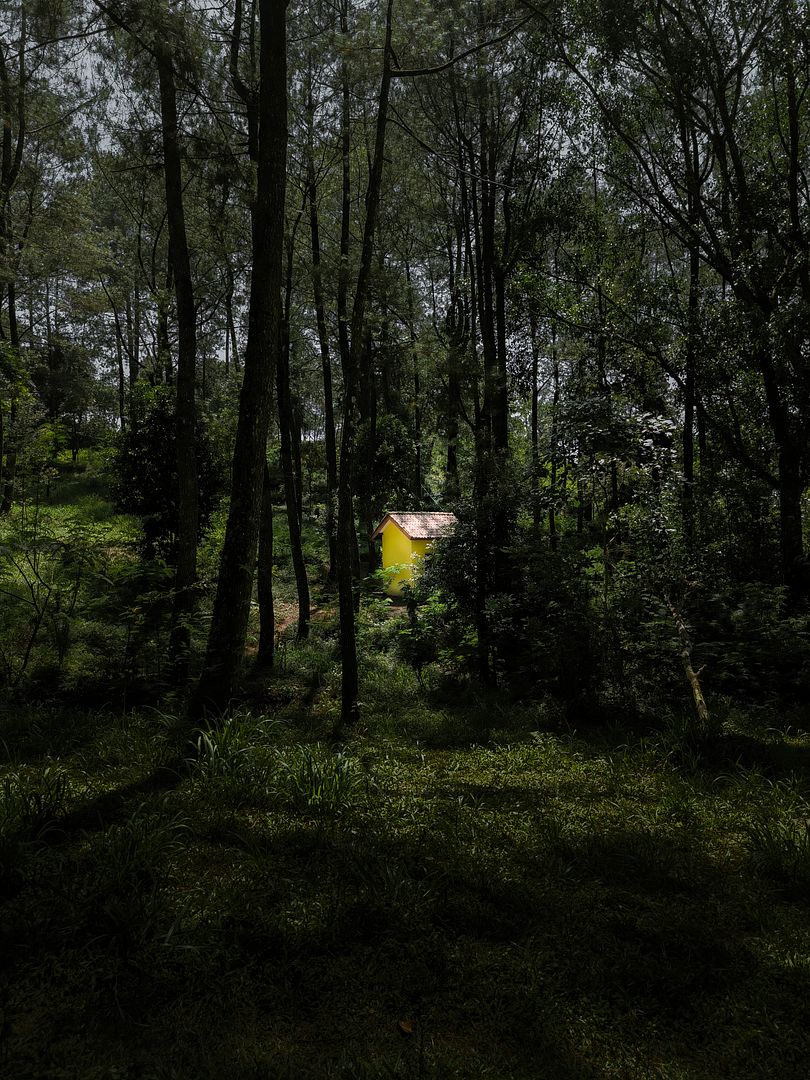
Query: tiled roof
[419, 524]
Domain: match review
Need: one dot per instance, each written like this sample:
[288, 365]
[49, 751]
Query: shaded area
[502, 903]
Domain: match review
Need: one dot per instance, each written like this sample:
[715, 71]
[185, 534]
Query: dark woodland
[532, 799]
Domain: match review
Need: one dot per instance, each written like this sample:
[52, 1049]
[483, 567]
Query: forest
[271, 271]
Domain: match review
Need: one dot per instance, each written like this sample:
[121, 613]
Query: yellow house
[406, 536]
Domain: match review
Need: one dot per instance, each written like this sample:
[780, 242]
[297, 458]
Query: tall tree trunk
[264, 579]
[417, 392]
[187, 483]
[122, 378]
[290, 493]
[8, 470]
[231, 352]
[133, 318]
[226, 642]
[323, 344]
[349, 709]
[11, 158]
[688, 495]
[163, 360]
[292, 475]
[535, 433]
[791, 481]
[368, 415]
[554, 452]
[296, 425]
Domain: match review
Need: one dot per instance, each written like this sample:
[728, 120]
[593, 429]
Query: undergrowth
[461, 889]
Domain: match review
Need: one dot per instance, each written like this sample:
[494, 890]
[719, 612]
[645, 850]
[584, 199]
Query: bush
[144, 471]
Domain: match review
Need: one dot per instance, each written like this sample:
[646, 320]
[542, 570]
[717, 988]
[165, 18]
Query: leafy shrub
[378, 624]
[43, 583]
[221, 749]
[144, 471]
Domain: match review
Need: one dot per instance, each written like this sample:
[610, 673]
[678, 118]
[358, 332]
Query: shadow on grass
[571, 954]
[776, 760]
[38, 734]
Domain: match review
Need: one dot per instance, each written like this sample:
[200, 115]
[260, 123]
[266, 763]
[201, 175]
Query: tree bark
[535, 433]
[265, 655]
[187, 482]
[285, 420]
[226, 642]
[11, 158]
[688, 496]
[349, 709]
[330, 440]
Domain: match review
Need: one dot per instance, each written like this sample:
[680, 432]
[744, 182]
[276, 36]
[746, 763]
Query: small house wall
[397, 549]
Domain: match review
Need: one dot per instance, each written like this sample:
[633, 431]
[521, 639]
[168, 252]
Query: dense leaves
[144, 472]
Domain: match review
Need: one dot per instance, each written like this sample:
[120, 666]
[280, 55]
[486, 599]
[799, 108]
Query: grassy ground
[466, 888]
[538, 904]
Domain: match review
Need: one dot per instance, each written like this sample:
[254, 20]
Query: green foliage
[392, 457]
[123, 877]
[221, 749]
[628, 878]
[30, 802]
[323, 783]
[780, 849]
[144, 470]
[556, 650]
[43, 580]
[63, 378]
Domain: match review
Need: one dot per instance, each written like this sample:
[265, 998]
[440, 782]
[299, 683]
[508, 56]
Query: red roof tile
[419, 524]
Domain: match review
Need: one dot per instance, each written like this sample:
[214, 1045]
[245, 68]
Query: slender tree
[226, 642]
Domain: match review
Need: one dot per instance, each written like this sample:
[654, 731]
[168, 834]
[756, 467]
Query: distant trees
[707, 108]
[550, 267]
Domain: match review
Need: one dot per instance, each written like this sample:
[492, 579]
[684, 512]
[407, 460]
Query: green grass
[531, 902]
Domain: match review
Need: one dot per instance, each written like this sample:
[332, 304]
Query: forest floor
[466, 887]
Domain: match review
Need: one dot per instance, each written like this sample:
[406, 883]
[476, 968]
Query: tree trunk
[290, 487]
[688, 496]
[8, 470]
[790, 480]
[323, 343]
[349, 709]
[535, 435]
[264, 579]
[226, 642]
[122, 379]
[296, 424]
[692, 676]
[188, 489]
[133, 316]
[11, 159]
[231, 352]
[554, 448]
[457, 332]
[163, 358]
[791, 492]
